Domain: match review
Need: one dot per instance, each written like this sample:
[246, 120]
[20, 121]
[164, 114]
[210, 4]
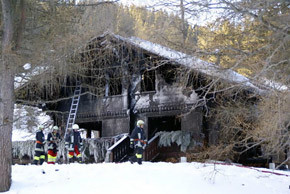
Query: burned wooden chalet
[122, 80]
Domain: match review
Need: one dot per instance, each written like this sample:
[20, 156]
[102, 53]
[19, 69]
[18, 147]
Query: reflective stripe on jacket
[40, 137]
[72, 139]
[40, 140]
[138, 136]
[53, 139]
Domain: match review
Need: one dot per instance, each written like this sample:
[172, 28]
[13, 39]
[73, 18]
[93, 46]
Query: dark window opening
[168, 73]
[115, 82]
[148, 81]
[197, 82]
[168, 123]
[252, 156]
[115, 86]
[93, 129]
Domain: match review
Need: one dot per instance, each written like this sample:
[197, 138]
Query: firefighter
[53, 140]
[39, 155]
[138, 142]
[74, 144]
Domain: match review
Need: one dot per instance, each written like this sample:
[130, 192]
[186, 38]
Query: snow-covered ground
[149, 178]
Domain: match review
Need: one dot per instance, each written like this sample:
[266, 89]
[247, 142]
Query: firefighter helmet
[55, 128]
[140, 122]
[75, 126]
[41, 127]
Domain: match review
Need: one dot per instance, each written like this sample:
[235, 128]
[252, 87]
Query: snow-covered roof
[176, 57]
[201, 65]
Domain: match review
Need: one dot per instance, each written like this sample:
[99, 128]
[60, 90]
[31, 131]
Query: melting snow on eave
[275, 85]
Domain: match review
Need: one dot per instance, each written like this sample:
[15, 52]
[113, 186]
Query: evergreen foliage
[181, 138]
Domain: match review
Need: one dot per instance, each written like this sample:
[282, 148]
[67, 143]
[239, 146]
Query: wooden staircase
[119, 152]
[152, 150]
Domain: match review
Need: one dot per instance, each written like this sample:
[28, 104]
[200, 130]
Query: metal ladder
[74, 107]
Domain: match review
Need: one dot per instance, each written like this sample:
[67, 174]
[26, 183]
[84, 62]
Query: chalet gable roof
[183, 59]
[202, 66]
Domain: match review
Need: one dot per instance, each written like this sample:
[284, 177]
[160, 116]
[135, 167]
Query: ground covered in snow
[149, 178]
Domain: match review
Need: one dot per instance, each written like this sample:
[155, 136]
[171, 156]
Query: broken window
[148, 81]
[115, 85]
[166, 123]
[168, 73]
[197, 82]
[93, 129]
[115, 82]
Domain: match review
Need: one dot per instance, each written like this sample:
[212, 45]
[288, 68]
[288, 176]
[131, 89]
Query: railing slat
[121, 148]
[152, 151]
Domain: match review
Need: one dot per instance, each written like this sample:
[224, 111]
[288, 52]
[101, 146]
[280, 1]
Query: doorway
[93, 129]
[166, 123]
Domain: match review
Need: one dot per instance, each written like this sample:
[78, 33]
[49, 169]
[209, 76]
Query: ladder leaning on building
[74, 107]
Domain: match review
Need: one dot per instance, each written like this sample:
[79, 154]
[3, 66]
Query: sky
[200, 18]
[148, 178]
[138, 2]
[194, 18]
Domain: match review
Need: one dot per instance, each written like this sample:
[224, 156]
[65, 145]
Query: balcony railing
[152, 149]
[120, 150]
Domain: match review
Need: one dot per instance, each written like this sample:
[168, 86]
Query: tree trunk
[7, 72]
[183, 24]
[6, 121]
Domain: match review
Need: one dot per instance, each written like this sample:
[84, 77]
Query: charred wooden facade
[137, 85]
[121, 83]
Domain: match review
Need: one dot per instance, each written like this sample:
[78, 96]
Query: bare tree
[252, 36]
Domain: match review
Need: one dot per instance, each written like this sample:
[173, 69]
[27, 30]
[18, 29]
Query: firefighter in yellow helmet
[138, 141]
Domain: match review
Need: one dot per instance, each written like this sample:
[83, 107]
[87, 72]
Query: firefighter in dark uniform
[74, 144]
[138, 142]
[39, 155]
[53, 140]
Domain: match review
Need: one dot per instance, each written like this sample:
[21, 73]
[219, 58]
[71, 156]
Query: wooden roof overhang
[57, 83]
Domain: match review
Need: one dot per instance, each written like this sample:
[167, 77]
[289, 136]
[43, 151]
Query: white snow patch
[173, 94]
[153, 178]
[27, 66]
[192, 98]
[143, 101]
[22, 78]
[26, 122]
[274, 85]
